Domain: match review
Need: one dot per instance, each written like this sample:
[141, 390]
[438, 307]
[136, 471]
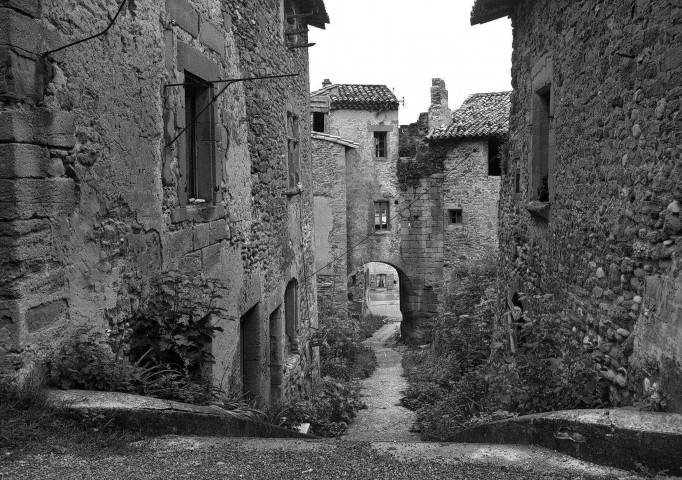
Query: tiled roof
[481, 115]
[489, 10]
[317, 12]
[334, 139]
[359, 97]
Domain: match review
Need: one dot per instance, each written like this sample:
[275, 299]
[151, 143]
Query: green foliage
[371, 323]
[429, 159]
[162, 354]
[177, 322]
[342, 356]
[85, 360]
[550, 370]
[465, 377]
[330, 410]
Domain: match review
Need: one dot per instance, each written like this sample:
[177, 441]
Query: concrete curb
[619, 438]
[159, 417]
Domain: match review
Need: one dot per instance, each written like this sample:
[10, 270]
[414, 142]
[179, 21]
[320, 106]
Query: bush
[329, 412]
[465, 377]
[342, 355]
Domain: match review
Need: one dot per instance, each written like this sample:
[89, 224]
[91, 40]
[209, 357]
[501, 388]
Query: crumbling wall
[608, 251]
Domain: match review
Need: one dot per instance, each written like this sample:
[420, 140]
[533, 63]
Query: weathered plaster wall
[369, 179]
[610, 250]
[99, 211]
[329, 167]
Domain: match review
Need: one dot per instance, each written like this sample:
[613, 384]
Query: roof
[358, 97]
[334, 139]
[481, 115]
[488, 10]
[317, 13]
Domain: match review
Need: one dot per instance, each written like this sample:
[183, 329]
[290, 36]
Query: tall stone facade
[425, 240]
[96, 197]
[456, 155]
[590, 203]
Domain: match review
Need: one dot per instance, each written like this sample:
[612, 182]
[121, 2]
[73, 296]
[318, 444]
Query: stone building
[470, 141]
[425, 215]
[355, 155]
[115, 166]
[590, 201]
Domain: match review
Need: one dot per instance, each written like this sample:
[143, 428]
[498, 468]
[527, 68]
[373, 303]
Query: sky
[404, 44]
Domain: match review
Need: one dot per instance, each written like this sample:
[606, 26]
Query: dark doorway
[249, 339]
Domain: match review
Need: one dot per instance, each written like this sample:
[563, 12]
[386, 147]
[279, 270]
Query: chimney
[326, 83]
[439, 111]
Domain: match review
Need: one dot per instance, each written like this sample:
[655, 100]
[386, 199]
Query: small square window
[381, 221]
[456, 216]
[380, 145]
[200, 164]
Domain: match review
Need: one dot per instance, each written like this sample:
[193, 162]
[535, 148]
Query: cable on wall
[91, 37]
[363, 240]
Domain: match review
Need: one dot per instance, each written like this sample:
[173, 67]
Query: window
[494, 157]
[293, 138]
[381, 280]
[517, 182]
[380, 216]
[456, 216]
[291, 314]
[319, 122]
[380, 146]
[541, 128]
[200, 165]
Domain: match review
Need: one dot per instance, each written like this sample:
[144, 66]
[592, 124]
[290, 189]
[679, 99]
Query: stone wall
[331, 265]
[98, 209]
[607, 245]
[468, 187]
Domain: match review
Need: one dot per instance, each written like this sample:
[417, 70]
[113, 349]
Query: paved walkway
[384, 419]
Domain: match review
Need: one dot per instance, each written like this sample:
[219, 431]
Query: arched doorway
[382, 290]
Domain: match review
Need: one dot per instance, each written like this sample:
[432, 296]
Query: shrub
[331, 409]
[176, 323]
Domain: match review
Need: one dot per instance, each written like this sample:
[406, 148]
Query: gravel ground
[204, 458]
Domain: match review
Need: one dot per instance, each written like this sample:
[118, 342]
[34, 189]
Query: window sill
[205, 212]
[382, 232]
[539, 210]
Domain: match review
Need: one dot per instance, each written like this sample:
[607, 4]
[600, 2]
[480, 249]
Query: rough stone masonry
[590, 205]
[94, 197]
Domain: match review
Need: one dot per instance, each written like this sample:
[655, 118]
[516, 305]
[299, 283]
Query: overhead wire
[399, 214]
[91, 37]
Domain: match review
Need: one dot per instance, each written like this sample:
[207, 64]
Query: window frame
[382, 226]
[200, 177]
[315, 120]
[495, 161]
[455, 214]
[293, 136]
[379, 137]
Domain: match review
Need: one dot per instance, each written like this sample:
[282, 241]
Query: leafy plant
[331, 409]
[176, 323]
